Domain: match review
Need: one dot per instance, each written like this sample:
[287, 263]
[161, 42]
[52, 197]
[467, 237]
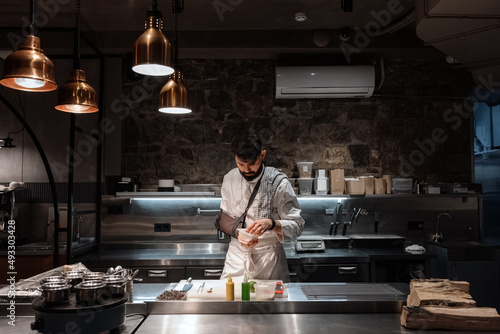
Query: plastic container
[305, 186]
[245, 237]
[321, 185]
[402, 185]
[305, 169]
[320, 173]
[264, 291]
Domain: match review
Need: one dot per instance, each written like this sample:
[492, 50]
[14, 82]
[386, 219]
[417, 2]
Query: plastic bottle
[230, 289]
[245, 289]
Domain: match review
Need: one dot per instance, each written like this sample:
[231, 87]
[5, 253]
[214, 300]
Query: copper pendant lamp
[77, 96]
[174, 95]
[29, 69]
[152, 50]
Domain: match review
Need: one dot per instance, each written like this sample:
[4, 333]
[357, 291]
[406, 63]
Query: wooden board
[439, 292]
[451, 318]
[219, 289]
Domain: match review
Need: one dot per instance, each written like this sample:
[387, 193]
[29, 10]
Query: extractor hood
[468, 31]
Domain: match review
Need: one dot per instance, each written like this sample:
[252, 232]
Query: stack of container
[305, 177]
[321, 184]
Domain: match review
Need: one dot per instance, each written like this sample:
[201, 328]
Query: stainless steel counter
[277, 323]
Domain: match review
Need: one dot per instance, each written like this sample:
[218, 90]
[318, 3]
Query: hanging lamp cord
[176, 47]
[32, 18]
[76, 54]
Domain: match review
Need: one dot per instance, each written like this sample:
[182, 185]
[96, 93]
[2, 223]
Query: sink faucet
[438, 235]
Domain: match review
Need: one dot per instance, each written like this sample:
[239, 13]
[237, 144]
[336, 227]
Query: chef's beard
[253, 175]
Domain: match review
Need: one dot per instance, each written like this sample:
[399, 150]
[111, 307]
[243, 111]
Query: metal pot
[115, 285]
[89, 292]
[93, 276]
[74, 278]
[116, 290]
[60, 279]
[55, 293]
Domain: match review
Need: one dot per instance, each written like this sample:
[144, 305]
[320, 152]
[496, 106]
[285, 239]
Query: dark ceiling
[227, 28]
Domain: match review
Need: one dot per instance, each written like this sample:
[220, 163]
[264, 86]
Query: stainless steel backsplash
[134, 221]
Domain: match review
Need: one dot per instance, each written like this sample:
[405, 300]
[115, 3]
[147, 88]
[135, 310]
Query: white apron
[266, 261]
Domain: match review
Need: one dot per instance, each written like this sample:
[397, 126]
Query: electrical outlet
[416, 225]
[162, 227]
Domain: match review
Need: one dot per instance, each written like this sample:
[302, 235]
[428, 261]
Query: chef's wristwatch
[274, 223]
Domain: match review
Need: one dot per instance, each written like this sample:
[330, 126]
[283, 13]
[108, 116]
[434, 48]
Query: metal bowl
[112, 279]
[89, 292]
[55, 293]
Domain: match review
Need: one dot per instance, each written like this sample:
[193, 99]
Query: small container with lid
[264, 291]
[306, 186]
[305, 169]
[244, 237]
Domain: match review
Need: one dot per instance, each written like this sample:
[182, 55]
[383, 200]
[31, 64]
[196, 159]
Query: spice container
[245, 237]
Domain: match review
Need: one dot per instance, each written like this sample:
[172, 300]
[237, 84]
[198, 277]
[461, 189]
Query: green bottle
[245, 288]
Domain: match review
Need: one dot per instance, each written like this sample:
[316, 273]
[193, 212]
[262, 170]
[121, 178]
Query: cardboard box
[369, 184]
[355, 187]
[337, 181]
[380, 186]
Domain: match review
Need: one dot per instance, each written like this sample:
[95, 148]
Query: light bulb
[76, 107]
[153, 69]
[175, 110]
[29, 83]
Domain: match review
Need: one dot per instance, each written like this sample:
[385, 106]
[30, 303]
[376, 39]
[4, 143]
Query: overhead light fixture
[174, 96]
[29, 69]
[152, 50]
[77, 95]
[7, 143]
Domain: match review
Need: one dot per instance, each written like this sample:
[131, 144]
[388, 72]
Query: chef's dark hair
[247, 148]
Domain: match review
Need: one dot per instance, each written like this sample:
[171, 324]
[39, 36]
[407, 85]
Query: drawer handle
[348, 270]
[212, 272]
[157, 273]
[291, 273]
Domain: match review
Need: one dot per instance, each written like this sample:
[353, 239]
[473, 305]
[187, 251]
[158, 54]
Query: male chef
[274, 214]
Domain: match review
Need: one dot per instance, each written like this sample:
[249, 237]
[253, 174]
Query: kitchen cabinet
[477, 264]
[329, 272]
[203, 272]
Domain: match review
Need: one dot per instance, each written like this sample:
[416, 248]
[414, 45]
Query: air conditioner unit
[306, 82]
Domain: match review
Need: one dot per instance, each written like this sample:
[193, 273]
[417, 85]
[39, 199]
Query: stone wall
[412, 127]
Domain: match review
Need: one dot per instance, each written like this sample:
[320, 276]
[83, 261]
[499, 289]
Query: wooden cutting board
[219, 289]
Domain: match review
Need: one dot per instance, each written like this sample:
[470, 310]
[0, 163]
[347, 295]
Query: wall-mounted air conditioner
[305, 82]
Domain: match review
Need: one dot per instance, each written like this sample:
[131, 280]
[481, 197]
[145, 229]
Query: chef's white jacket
[267, 259]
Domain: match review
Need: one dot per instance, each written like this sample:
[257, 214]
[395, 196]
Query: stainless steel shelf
[164, 194]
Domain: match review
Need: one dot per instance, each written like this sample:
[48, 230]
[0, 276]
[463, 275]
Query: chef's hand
[251, 244]
[260, 226]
